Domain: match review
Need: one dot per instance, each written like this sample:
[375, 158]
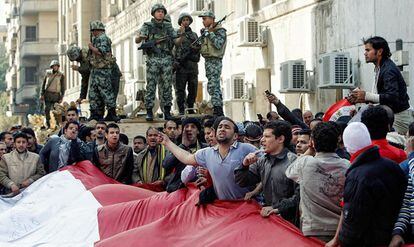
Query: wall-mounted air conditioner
[334, 70]
[293, 77]
[251, 33]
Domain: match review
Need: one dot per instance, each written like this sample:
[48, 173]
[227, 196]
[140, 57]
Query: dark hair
[281, 128]
[319, 115]
[305, 132]
[207, 117]
[3, 135]
[298, 113]
[377, 122]
[209, 123]
[390, 114]
[69, 123]
[151, 128]
[269, 114]
[141, 137]
[123, 139]
[111, 125]
[20, 134]
[379, 43]
[411, 129]
[72, 109]
[102, 122]
[165, 123]
[315, 120]
[220, 119]
[325, 137]
[28, 131]
[84, 132]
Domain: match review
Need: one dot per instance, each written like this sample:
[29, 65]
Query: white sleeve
[188, 174]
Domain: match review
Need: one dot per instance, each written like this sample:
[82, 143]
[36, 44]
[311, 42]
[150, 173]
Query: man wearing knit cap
[189, 142]
[253, 134]
[373, 192]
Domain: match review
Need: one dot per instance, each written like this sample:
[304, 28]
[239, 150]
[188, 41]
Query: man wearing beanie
[373, 193]
[189, 142]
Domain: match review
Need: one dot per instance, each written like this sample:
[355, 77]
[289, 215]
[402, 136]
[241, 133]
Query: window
[31, 33]
[30, 76]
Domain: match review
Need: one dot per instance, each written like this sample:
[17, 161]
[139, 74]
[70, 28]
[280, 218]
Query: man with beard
[100, 133]
[7, 138]
[189, 142]
[148, 167]
[20, 168]
[220, 160]
[114, 158]
[32, 144]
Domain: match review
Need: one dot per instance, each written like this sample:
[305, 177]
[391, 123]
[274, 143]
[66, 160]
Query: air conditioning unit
[251, 33]
[237, 89]
[113, 10]
[293, 77]
[335, 71]
[196, 6]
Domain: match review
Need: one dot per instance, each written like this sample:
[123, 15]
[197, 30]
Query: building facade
[31, 42]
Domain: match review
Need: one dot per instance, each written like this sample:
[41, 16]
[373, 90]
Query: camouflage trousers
[159, 71]
[101, 92]
[181, 81]
[213, 72]
[115, 78]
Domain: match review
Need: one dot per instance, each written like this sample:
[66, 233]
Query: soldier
[213, 46]
[76, 54]
[159, 64]
[186, 59]
[101, 91]
[53, 88]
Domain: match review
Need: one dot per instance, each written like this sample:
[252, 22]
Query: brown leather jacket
[117, 164]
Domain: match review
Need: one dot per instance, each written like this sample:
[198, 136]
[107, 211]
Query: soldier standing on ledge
[213, 46]
[159, 64]
[186, 65]
[53, 88]
[101, 91]
[76, 54]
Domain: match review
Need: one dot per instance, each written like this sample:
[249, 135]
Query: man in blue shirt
[220, 160]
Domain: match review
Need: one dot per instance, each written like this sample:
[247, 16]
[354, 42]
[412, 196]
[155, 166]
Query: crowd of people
[337, 181]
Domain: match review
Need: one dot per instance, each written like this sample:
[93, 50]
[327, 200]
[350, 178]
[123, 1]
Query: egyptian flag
[337, 110]
[80, 206]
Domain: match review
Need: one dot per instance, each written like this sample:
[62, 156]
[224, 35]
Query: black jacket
[288, 116]
[373, 193]
[392, 88]
[171, 163]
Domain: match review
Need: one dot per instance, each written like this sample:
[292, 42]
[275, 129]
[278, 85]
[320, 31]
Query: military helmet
[53, 63]
[207, 13]
[181, 17]
[96, 25]
[157, 6]
[73, 52]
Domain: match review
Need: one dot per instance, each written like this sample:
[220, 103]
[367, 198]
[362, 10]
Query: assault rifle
[197, 42]
[151, 46]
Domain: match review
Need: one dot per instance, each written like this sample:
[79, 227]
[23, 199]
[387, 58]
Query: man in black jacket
[191, 130]
[373, 193]
[389, 87]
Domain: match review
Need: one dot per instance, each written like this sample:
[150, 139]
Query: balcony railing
[26, 93]
[42, 47]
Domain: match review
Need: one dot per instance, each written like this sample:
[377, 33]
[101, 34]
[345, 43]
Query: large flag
[80, 206]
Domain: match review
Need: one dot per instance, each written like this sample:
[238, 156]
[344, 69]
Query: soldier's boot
[150, 115]
[218, 111]
[94, 116]
[167, 113]
[111, 116]
[181, 110]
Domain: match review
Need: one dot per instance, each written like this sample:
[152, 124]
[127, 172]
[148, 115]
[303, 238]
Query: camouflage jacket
[155, 30]
[214, 44]
[106, 59]
[187, 57]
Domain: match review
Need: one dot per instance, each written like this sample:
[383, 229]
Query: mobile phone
[267, 92]
[260, 117]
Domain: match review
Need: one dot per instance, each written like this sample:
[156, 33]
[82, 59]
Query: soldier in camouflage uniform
[186, 65]
[159, 65]
[53, 89]
[101, 91]
[213, 46]
[76, 54]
